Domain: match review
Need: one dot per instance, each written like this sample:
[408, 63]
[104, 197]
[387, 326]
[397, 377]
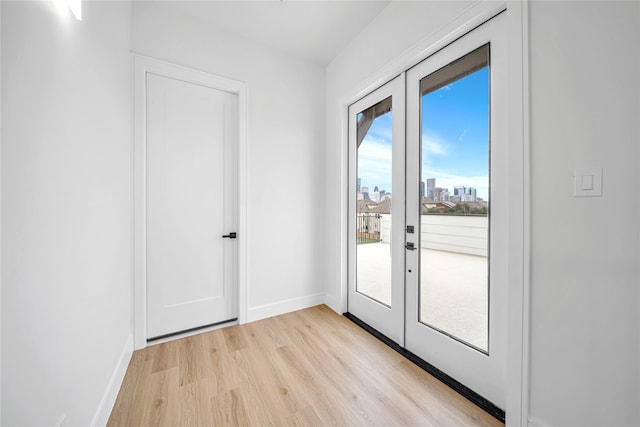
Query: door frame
[518, 312]
[141, 65]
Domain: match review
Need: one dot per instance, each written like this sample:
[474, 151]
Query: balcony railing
[368, 227]
[460, 234]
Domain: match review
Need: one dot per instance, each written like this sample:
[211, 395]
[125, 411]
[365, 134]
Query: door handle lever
[230, 236]
[410, 246]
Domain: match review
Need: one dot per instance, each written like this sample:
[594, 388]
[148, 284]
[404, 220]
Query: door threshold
[456, 386]
[191, 331]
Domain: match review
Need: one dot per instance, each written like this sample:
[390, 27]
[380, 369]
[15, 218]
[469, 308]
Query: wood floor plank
[219, 363]
[307, 368]
[194, 407]
[192, 360]
[365, 384]
[260, 408]
[285, 395]
[234, 337]
[229, 409]
[349, 388]
[157, 399]
[327, 403]
[164, 356]
[305, 417]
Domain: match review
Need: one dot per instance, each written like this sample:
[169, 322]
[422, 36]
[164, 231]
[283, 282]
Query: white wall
[397, 29]
[285, 149]
[65, 209]
[585, 99]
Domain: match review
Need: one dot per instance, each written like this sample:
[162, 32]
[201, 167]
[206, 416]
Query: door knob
[229, 236]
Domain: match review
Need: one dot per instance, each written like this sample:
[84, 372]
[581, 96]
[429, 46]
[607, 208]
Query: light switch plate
[587, 182]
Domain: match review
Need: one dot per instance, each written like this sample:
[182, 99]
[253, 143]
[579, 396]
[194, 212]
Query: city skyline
[455, 139]
[455, 134]
[436, 193]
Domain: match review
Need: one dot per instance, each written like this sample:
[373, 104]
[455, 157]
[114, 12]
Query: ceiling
[313, 30]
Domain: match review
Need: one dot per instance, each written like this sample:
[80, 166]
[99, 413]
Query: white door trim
[520, 214]
[141, 65]
[517, 393]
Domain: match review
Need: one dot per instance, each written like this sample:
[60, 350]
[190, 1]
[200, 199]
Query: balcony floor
[454, 294]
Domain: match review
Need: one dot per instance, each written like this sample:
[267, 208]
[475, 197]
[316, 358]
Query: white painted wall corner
[333, 303]
[111, 393]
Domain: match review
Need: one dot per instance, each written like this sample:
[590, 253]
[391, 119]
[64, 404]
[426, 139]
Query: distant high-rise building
[421, 188]
[365, 193]
[375, 189]
[358, 185]
[466, 194]
[459, 191]
[472, 192]
[431, 185]
[437, 194]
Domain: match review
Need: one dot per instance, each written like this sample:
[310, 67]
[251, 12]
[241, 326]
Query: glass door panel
[373, 202]
[454, 199]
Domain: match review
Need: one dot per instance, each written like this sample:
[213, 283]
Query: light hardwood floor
[310, 367]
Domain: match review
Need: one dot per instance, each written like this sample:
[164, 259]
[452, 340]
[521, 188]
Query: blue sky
[374, 155]
[455, 137]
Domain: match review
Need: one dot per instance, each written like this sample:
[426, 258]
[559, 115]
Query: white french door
[456, 312]
[376, 219]
[446, 269]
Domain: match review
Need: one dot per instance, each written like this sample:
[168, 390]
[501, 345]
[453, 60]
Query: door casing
[141, 66]
[517, 390]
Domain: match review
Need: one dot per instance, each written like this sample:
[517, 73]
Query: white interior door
[190, 204]
[376, 209]
[457, 194]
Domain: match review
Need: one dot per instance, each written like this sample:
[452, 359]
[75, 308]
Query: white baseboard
[282, 307]
[534, 422]
[111, 393]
